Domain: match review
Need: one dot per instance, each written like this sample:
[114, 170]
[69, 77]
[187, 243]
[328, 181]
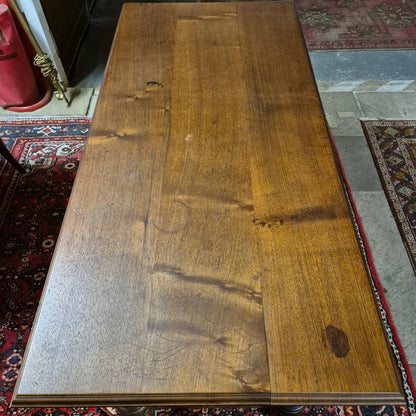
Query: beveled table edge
[204, 400]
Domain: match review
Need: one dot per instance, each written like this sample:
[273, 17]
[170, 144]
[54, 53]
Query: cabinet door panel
[68, 21]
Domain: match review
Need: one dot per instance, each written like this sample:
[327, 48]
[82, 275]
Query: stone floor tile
[391, 105]
[413, 370]
[79, 104]
[367, 86]
[342, 113]
[347, 65]
[393, 265]
[358, 163]
[411, 87]
[323, 86]
[343, 86]
[371, 85]
[395, 86]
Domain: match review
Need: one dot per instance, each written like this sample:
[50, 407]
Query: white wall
[35, 16]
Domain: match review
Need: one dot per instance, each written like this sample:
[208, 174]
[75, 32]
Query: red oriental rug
[393, 147]
[31, 212]
[358, 24]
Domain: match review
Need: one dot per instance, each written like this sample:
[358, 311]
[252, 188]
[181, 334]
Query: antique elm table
[207, 256]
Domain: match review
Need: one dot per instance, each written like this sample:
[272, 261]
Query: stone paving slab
[393, 265]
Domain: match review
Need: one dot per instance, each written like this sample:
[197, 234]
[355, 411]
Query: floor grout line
[357, 101]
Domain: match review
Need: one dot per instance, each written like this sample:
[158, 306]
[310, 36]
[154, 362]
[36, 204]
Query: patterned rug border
[317, 46]
[388, 187]
[387, 121]
[387, 319]
[357, 24]
[28, 120]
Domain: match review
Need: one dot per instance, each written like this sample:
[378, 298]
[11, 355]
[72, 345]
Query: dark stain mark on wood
[302, 215]
[268, 222]
[223, 341]
[338, 341]
[187, 19]
[313, 214]
[154, 83]
[124, 136]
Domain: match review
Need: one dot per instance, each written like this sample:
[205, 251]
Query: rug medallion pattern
[358, 24]
[32, 206]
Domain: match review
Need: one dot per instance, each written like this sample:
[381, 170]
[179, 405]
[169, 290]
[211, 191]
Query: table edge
[204, 400]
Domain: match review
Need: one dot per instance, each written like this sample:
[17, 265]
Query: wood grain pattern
[309, 253]
[207, 256]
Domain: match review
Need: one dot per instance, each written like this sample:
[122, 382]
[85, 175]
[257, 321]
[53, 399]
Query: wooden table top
[207, 256]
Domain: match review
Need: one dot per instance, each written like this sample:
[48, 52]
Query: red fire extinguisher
[17, 82]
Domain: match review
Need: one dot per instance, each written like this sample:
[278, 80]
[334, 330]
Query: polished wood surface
[207, 255]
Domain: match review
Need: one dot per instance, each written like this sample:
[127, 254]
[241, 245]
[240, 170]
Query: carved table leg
[284, 410]
[135, 411]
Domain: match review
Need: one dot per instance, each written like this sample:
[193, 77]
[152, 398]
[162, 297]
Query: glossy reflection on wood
[207, 255]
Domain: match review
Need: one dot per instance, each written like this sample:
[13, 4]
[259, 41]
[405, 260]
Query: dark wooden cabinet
[90, 4]
[67, 21]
